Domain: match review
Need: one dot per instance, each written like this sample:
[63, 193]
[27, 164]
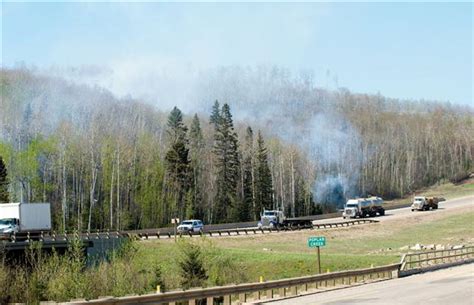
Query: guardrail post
[282, 292]
[294, 290]
[269, 294]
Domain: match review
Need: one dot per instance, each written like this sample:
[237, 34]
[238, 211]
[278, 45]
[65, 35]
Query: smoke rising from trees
[98, 158]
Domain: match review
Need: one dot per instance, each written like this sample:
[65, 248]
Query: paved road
[406, 212]
[453, 286]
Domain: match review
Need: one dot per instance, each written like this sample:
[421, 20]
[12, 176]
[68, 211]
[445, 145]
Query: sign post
[175, 221]
[317, 242]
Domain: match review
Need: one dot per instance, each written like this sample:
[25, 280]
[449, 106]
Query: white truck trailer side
[25, 217]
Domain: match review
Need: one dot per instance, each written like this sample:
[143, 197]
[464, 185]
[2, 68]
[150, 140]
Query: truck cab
[9, 225]
[271, 219]
[352, 208]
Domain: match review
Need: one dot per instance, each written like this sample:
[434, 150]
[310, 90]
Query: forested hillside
[118, 163]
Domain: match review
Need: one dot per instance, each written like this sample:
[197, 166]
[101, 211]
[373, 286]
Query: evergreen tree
[247, 206]
[215, 118]
[3, 182]
[192, 270]
[177, 163]
[196, 148]
[227, 166]
[176, 128]
[263, 181]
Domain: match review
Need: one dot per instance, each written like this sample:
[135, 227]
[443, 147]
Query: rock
[457, 247]
[416, 247]
[266, 249]
[430, 247]
[440, 247]
[404, 248]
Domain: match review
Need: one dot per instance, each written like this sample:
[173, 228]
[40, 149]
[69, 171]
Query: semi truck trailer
[363, 207]
[24, 217]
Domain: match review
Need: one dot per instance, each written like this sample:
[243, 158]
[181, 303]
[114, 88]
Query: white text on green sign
[316, 241]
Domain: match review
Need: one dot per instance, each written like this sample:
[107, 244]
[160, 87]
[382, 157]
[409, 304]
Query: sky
[404, 50]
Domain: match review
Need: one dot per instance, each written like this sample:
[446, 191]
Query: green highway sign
[316, 241]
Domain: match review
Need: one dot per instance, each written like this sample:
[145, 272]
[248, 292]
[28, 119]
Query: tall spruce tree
[215, 118]
[177, 163]
[263, 181]
[227, 166]
[246, 210]
[4, 197]
[196, 150]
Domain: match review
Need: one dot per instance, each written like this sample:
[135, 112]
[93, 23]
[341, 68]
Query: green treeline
[106, 163]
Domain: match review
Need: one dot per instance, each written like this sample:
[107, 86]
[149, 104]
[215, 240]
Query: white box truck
[24, 217]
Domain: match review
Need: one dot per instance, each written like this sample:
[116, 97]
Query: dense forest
[255, 139]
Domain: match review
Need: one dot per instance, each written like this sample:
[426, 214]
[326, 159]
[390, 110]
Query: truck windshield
[187, 223]
[269, 214]
[7, 221]
[352, 205]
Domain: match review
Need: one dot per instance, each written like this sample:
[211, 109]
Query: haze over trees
[109, 163]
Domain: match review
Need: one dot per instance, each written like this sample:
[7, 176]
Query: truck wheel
[435, 207]
[382, 213]
[413, 210]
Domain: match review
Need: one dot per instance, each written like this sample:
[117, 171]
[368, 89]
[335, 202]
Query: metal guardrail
[242, 293]
[420, 260]
[49, 240]
[247, 231]
[53, 236]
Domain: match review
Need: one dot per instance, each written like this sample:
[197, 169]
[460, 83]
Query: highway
[394, 214]
[447, 286]
[390, 215]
